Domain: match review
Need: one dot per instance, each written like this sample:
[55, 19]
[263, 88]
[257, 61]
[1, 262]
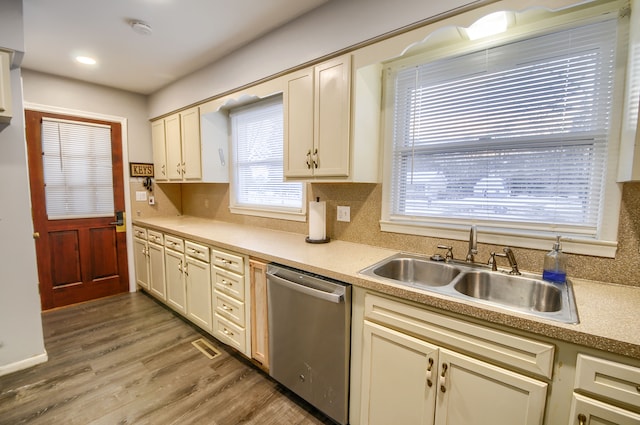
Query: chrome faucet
[473, 244]
[508, 253]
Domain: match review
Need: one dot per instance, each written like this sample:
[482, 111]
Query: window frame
[236, 207]
[504, 232]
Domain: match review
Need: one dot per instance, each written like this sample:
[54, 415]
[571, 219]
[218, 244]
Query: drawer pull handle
[430, 372]
[227, 332]
[226, 307]
[225, 282]
[582, 419]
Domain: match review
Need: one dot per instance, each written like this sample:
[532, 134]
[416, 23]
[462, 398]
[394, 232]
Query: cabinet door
[174, 274]
[140, 260]
[173, 146]
[399, 378]
[587, 411]
[332, 117]
[159, 150]
[157, 285]
[472, 392]
[190, 132]
[298, 125]
[5, 88]
[199, 299]
[259, 313]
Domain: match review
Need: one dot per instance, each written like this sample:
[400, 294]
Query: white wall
[334, 26]
[50, 90]
[21, 339]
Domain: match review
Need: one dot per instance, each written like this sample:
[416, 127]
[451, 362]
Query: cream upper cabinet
[317, 105]
[159, 150]
[176, 147]
[5, 87]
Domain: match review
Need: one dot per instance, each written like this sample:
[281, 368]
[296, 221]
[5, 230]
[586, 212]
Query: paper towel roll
[317, 220]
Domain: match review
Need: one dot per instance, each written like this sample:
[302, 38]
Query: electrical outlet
[344, 214]
[152, 200]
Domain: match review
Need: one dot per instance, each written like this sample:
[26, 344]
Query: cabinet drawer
[227, 261]
[229, 308]
[155, 237]
[198, 251]
[491, 344]
[614, 381]
[139, 232]
[174, 243]
[228, 283]
[229, 332]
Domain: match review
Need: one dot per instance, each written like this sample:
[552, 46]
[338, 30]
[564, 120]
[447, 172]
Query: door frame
[125, 169]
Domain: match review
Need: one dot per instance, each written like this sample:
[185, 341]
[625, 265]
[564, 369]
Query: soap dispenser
[555, 264]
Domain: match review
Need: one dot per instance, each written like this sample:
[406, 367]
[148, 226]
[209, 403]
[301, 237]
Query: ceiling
[186, 35]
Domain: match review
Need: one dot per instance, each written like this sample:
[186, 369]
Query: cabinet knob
[36, 235]
[582, 419]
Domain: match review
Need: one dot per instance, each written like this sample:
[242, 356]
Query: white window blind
[77, 169]
[512, 133]
[258, 137]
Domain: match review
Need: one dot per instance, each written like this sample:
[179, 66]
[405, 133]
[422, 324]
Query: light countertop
[608, 312]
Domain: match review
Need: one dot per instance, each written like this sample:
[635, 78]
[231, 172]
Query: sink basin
[512, 291]
[414, 270]
[527, 294]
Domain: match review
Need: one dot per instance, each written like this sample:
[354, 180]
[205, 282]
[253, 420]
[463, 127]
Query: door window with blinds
[258, 165]
[515, 135]
[77, 169]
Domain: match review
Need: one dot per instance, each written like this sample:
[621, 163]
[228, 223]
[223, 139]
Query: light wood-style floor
[129, 360]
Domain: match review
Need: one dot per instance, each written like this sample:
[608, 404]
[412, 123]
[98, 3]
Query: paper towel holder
[326, 239]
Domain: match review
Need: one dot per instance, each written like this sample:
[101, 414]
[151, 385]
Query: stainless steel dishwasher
[309, 337]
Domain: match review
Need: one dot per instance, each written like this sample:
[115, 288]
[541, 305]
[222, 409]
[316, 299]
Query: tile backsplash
[212, 201]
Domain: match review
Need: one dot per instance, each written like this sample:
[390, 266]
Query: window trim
[510, 233]
[256, 211]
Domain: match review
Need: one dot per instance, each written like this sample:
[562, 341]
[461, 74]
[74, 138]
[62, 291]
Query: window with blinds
[514, 133]
[258, 137]
[77, 169]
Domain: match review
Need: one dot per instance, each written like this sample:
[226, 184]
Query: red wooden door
[81, 257]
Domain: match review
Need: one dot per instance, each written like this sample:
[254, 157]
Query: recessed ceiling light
[86, 60]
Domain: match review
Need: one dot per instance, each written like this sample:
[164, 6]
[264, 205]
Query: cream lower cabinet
[231, 312]
[259, 313]
[198, 285]
[175, 264]
[141, 256]
[417, 366]
[409, 381]
[155, 253]
[605, 392]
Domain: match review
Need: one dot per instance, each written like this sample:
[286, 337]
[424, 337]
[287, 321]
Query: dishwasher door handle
[327, 296]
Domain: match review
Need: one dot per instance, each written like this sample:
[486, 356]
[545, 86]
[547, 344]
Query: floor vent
[205, 348]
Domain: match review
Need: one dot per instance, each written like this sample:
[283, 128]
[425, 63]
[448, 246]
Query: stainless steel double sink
[526, 293]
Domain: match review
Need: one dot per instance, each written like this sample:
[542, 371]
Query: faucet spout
[512, 261]
[473, 244]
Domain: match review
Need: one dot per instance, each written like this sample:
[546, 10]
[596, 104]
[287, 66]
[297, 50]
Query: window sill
[277, 214]
[505, 237]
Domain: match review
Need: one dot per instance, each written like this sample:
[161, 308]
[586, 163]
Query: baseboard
[23, 364]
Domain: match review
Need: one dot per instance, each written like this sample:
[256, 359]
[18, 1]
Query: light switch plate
[344, 214]
[141, 195]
